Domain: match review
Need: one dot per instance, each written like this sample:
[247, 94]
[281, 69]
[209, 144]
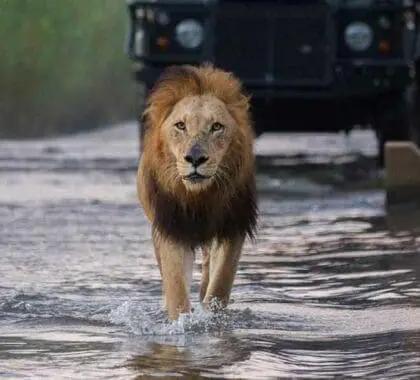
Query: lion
[196, 181]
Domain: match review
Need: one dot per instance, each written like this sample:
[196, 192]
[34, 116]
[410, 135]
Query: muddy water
[328, 291]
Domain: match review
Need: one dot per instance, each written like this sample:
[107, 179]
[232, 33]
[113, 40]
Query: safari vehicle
[309, 65]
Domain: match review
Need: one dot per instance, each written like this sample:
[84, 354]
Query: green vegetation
[62, 66]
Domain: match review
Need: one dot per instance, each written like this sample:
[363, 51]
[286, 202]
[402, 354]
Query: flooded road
[326, 292]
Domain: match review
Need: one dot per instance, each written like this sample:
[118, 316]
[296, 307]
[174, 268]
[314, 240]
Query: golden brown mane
[178, 82]
[222, 211]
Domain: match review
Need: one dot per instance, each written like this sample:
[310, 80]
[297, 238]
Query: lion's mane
[224, 209]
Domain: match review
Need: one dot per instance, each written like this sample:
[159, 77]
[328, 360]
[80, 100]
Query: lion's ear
[244, 102]
[246, 99]
[143, 117]
[143, 120]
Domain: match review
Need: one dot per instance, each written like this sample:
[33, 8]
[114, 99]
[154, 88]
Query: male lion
[196, 180]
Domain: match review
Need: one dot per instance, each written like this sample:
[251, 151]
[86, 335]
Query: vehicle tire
[256, 123]
[260, 116]
[391, 120]
[415, 108]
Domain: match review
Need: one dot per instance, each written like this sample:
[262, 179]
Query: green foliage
[62, 66]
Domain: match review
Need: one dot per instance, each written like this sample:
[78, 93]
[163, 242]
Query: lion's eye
[217, 127]
[180, 125]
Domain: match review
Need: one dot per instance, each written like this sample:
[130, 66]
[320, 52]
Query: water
[328, 291]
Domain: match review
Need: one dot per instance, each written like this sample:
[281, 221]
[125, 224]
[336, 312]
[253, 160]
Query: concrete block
[402, 177]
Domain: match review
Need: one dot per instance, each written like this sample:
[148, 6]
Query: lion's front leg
[176, 264]
[205, 273]
[223, 265]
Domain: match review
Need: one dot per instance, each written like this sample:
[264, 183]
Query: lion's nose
[195, 160]
[196, 156]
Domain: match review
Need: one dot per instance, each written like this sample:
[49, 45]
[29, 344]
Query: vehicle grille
[286, 45]
[238, 43]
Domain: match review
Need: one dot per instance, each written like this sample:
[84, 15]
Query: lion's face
[198, 133]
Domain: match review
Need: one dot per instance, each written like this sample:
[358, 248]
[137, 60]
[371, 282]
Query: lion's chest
[193, 225]
[199, 223]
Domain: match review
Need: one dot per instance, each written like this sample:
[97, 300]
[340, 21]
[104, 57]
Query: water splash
[150, 319]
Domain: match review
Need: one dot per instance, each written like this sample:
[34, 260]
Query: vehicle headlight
[359, 3]
[358, 36]
[139, 42]
[189, 34]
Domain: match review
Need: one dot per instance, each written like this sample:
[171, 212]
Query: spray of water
[150, 319]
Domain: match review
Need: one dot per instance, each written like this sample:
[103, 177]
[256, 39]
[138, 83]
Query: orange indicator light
[384, 47]
[162, 42]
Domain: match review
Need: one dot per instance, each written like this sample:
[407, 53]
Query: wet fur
[221, 215]
[197, 223]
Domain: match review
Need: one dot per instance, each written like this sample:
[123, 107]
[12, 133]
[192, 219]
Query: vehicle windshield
[353, 3]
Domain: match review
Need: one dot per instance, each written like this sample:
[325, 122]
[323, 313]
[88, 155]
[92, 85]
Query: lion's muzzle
[196, 156]
[195, 177]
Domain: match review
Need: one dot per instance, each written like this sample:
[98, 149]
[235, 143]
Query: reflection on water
[194, 358]
[331, 288]
[404, 218]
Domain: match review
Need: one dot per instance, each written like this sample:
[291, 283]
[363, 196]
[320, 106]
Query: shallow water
[327, 291]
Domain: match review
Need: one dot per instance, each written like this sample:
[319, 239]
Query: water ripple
[329, 290]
